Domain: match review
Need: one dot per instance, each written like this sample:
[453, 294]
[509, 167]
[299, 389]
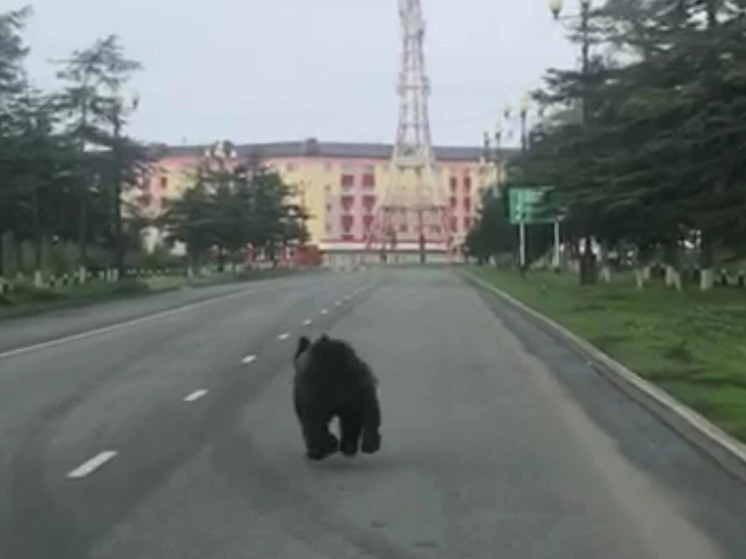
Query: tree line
[71, 177]
[229, 209]
[645, 146]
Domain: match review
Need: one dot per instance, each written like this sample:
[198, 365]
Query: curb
[728, 452]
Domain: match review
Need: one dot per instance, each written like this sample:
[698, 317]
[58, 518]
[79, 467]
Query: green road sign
[527, 205]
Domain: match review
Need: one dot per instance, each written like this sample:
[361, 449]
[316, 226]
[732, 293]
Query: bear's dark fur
[332, 381]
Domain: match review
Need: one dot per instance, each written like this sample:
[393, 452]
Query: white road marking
[338, 303]
[92, 465]
[284, 336]
[196, 395]
[347, 297]
[248, 359]
[125, 324]
[324, 311]
[307, 322]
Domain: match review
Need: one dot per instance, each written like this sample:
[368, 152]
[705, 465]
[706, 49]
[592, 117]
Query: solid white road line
[92, 465]
[125, 324]
[248, 359]
[284, 336]
[307, 322]
[196, 395]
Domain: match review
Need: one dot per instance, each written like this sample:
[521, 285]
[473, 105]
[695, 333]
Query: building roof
[313, 148]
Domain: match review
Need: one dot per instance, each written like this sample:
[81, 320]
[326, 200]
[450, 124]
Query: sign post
[528, 206]
[522, 242]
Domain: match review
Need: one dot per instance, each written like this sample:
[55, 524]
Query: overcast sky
[273, 70]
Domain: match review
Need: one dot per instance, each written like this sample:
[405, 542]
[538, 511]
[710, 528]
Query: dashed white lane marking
[284, 336]
[307, 322]
[127, 323]
[324, 311]
[87, 468]
[248, 359]
[196, 395]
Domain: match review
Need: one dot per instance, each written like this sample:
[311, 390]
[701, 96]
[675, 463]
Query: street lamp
[525, 105]
[122, 107]
[587, 259]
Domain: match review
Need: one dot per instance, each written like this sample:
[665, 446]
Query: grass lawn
[692, 344]
[26, 299]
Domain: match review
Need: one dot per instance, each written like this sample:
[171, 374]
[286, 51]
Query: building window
[453, 202]
[369, 202]
[348, 181]
[347, 222]
[347, 238]
[454, 184]
[467, 223]
[467, 205]
[328, 207]
[369, 180]
[467, 184]
[328, 188]
[164, 183]
[454, 225]
[367, 222]
[328, 228]
[347, 202]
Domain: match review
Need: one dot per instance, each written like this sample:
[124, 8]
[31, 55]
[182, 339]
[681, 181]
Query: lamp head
[556, 7]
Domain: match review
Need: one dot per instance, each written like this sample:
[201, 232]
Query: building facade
[339, 184]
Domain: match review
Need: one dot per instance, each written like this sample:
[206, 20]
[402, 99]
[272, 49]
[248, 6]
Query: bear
[331, 380]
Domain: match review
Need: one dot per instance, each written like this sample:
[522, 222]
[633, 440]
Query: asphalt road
[163, 428]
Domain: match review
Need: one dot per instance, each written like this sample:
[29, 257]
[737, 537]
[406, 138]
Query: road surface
[163, 428]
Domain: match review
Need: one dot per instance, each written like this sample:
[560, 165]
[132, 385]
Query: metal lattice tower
[414, 214]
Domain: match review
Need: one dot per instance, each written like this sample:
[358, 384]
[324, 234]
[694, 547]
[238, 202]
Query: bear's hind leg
[351, 427]
[320, 442]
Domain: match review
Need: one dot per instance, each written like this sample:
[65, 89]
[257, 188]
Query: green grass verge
[692, 344]
[26, 300]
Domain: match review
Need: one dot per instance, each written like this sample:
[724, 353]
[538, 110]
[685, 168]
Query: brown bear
[331, 380]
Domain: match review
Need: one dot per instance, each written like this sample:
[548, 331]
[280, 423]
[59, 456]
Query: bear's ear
[303, 344]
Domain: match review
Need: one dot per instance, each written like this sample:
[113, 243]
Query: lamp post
[525, 105]
[587, 258]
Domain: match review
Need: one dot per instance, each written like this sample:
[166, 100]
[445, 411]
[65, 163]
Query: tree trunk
[588, 272]
[221, 260]
[2, 254]
[83, 234]
[706, 262]
[38, 241]
[605, 273]
[672, 258]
